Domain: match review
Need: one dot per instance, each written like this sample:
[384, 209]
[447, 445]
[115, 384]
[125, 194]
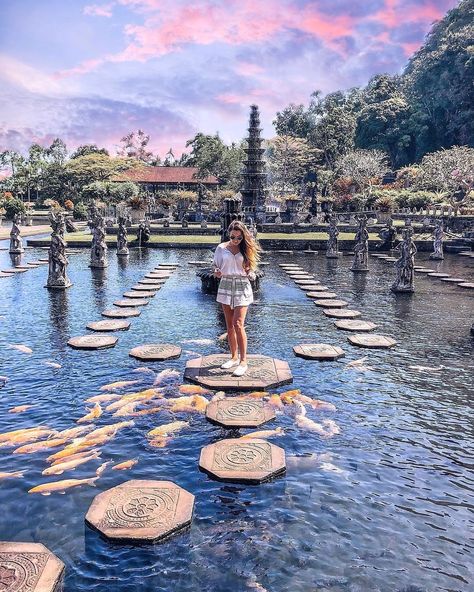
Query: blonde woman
[234, 262]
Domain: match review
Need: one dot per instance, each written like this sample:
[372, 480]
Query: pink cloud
[248, 69]
[394, 14]
[99, 9]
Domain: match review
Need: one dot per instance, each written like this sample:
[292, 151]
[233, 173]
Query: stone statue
[143, 233]
[405, 264]
[57, 276]
[122, 246]
[99, 247]
[437, 253]
[333, 232]
[361, 249]
[16, 244]
[388, 236]
[70, 226]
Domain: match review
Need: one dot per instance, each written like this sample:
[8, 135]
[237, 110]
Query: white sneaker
[230, 364]
[240, 370]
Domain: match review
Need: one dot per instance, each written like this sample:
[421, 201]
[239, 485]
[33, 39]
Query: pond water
[390, 505]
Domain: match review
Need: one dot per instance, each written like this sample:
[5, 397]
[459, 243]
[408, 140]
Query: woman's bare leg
[231, 336]
[240, 313]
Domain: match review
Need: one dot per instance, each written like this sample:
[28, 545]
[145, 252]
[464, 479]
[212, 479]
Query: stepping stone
[12, 270]
[248, 460]
[44, 260]
[155, 351]
[263, 263]
[331, 303]
[147, 287]
[4, 275]
[321, 294]
[263, 373]
[390, 259]
[318, 351]
[167, 265]
[203, 263]
[38, 262]
[160, 274]
[335, 313]
[452, 280]
[371, 340]
[151, 282]
[356, 325]
[157, 279]
[315, 288]
[32, 265]
[310, 252]
[131, 302]
[308, 282]
[467, 285]
[436, 274]
[289, 266]
[140, 511]
[139, 294]
[425, 270]
[420, 268]
[236, 412]
[92, 342]
[121, 313]
[283, 252]
[29, 567]
[109, 326]
[302, 275]
[24, 267]
[465, 254]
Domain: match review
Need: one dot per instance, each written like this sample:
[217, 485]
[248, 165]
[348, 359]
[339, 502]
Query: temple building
[168, 178]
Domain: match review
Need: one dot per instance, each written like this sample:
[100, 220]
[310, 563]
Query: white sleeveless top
[228, 263]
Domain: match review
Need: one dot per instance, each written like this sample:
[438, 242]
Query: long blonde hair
[249, 247]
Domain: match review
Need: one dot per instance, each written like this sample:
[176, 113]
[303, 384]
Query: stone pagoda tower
[254, 175]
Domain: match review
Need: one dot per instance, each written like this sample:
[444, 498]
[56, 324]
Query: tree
[88, 149]
[362, 167]
[57, 152]
[110, 192]
[135, 145]
[95, 167]
[295, 121]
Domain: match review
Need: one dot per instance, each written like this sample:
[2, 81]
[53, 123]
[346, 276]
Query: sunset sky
[92, 72]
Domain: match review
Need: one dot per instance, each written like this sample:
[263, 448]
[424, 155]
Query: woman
[234, 262]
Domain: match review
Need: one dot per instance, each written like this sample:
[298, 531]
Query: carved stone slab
[355, 325]
[150, 282]
[318, 351]
[467, 285]
[92, 342]
[166, 273]
[29, 567]
[246, 460]
[436, 274]
[155, 351]
[109, 326]
[316, 288]
[371, 340]
[141, 511]
[342, 314]
[299, 275]
[329, 303]
[139, 294]
[15, 270]
[157, 279]
[127, 302]
[263, 372]
[122, 313]
[321, 294]
[451, 280]
[147, 288]
[309, 282]
[239, 413]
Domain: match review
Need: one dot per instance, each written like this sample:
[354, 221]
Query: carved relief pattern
[231, 410]
[141, 508]
[20, 572]
[246, 457]
[258, 369]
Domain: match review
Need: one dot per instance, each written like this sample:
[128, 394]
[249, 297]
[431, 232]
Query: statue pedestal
[403, 289]
[58, 286]
[436, 257]
[333, 255]
[16, 251]
[360, 269]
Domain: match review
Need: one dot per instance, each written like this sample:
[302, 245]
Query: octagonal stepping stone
[467, 285]
[29, 567]
[436, 274]
[150, 282]
[336, 313]
[329, 303]
[92, 342]
[168, 265]
[112, 325]
[355, 325]
[321, 294]
[38, 262]
[203, 263]
[451, 280]
[166, 273]
[127, 302]
[4, 275]
[308, 282]
[141, 511]
[318, 351]
[425, 270]
[33, 265]
[263, 373]
[300, 275]
[139, 294]
[236, 412]
[121, 313]
[420, 268]
[25, 267]
[314, 289]
[12, 270]
[465, 253]
[247, 460]
[390, 259]
[156, 280]
[44, 260]
[147, 287]
[371, 340]
[289, 266]
[155, 351]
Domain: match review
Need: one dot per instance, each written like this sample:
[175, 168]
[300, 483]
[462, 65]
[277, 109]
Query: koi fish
[126, 409]
[358, 362]
[131, 397]
[6, 436]
[330, 468]
[127, 464]
[327, 428]
[102, 468]
[192, 389]
[264, 434]
[79, 445]
[218, 396]
[426, 368]
[75, 432]
[275, 401]
[166, 375]
[71, 464]
[144, 369]
[110, 429]
[61, 486]
[288, 396]
[118, 385]
[18, 474]
[25, 438]
[222, 337]
[76, 456]
[95, 412]
[257, 395]
[21, 348]
[168, 428]
[39, 446]
[52, 364]
[315, 403]
[159, 442]
[20, 408]
[102, 398]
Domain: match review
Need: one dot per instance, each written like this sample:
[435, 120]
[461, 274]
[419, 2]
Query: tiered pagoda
[254, 175]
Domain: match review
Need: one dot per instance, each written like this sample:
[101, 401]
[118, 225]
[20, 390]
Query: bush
[80, 211]
[385, 203]
[12, 206]
[69, 205]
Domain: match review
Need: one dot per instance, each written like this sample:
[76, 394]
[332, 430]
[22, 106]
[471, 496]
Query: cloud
[99, 9]
[25, 76]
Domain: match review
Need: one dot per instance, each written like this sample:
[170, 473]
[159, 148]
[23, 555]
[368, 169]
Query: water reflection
[59, 318]
[99, 292]
[15, 259]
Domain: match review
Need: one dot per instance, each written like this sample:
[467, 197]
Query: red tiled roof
[163, 174]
